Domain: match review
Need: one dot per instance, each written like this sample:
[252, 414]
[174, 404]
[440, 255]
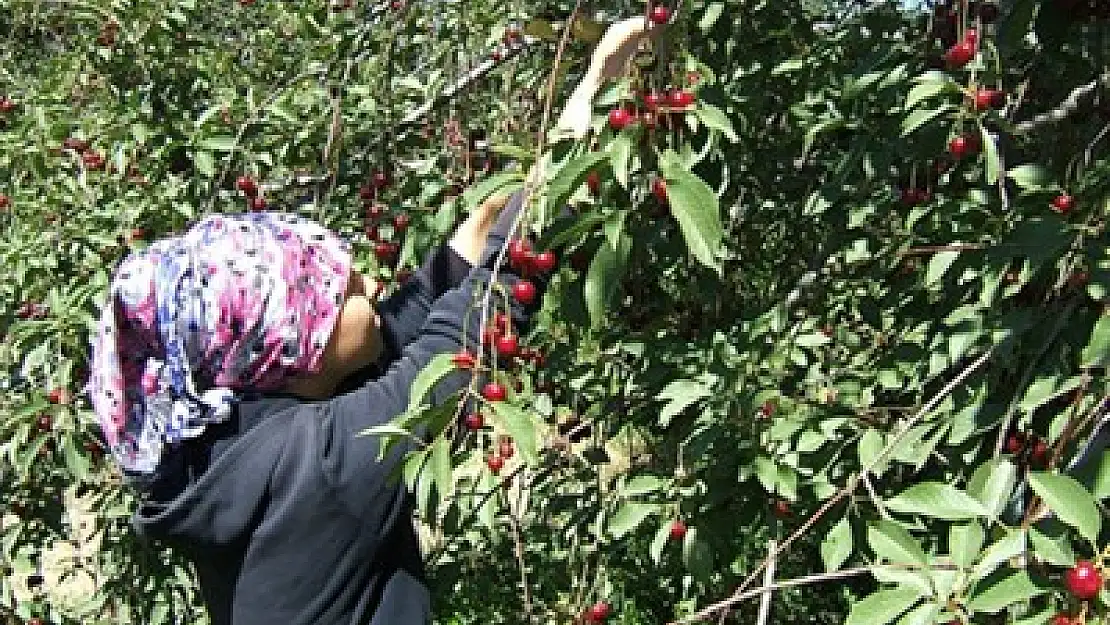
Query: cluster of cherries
[35, 311]
[513, 37]
[651, 106]
[385, 249]
[1035, 447]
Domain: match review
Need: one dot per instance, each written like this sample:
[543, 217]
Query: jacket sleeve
[350, 462]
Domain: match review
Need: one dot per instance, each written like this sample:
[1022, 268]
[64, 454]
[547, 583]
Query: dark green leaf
[695, 207]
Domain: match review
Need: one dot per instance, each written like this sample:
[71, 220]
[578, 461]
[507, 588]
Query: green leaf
[679, 394]
[603, 279]
[918, 118]
[522, 426]
[441, 467]
[1071, 503]
[659, 541]
[696, 555]
[938, 265]
[205, 163]
[924, 614]
[716, 119]
[629, 515]
[695, 207]
[620, 157]
[1030, 177]
[990, 154]
[220, 143]
[504, 181]
[893, 543]
[965, 541]
[992, 484]
[1000, 551]
[1051, 542]
[814, 339]
[1095, 475]
[936, 500]
[998, 594]
[926, 89]
[572, 176]
[837, 546]
[439, 366]
[882, 606]
[1097, 351]
[642, 485]
[712, 14]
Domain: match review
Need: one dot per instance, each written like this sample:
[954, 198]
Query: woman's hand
[470, 238]
[612, 54]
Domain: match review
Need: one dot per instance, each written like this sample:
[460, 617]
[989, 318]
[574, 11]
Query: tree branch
[1067, 107]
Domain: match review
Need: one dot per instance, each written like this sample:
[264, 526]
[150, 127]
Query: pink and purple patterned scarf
[239, 302]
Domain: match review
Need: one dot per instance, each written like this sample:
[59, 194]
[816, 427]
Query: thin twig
[768, 581]
[848, 488]
[1089, 152]
[518, 548]
[932, 249]
[1069, 105]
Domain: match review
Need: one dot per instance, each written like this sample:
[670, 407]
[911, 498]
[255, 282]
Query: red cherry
[1015, 443]
[75, 144]
[496, 55]
[58, 396]
[495, 463]
[524, 292]
[501, 320]
[258, 203]
[491, 334]
[545, 261]
[768, 408]
[366, 192]
[660, 14]
[505, 448]
[960, 54]
[1039, 455]
[474, 421]
[34, 621]
[659, 190]
[508, 346]
[1063, 203]
[92, 160]
[654, 100]
[619, 118]
[985, 99]
[1061, 619]
[5, 202]
[782, 509]
[971, 37]
[380, 179]
[401, 222]
[520, 253]
[512, 33]
[247, 185]
[372, 232]
[678, 530]
[6, 105]
[599, 612]
[375, 211]
[494, 392]
[1084, 580]
[680, 98]
[464, 360]
[45, 423]
[963, 145]
[593, 182]
[383, 250]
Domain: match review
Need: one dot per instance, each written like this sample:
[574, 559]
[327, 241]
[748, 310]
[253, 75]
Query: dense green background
[790, 339]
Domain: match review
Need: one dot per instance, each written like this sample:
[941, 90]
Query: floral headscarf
[239, 302]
